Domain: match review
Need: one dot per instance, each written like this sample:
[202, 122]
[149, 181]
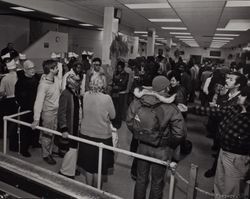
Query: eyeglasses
[96, 64]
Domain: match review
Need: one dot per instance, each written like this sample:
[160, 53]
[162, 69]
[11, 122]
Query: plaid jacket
[234, 127]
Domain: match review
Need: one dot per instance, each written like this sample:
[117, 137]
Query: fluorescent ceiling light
[237, 25]
[180, 33]
[140, 32]
[144, 35]
[222, 41]
[60, 18]
[147, 5]
[184, 37]
[174, 28]
[223, 38]
[22, 9]
[227, 35]
[187, 39]
[232, 29]
[164, 20]
[85, 24]
[159, 44]
[237, 4]
[100, 29]
[160, 38]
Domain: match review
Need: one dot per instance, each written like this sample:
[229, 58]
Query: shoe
[209, 173]
[49, 160]
[71, 177]
[26, 154]
[59, 154]
[78, 172]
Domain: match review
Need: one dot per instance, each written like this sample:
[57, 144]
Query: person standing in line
[9, 104]
[95, 71]
[98, 110]
[25, 93]
[68, 122]
[46, 107]
[172, 125]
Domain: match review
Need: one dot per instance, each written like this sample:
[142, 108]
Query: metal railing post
[172, 168]
[99, 182]
[5, 134]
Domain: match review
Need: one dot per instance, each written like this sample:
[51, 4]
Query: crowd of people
[153, 95]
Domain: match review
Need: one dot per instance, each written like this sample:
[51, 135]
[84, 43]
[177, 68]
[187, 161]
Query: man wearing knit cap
[167, 123]
[7, 90]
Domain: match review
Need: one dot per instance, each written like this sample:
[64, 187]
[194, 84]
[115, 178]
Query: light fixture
[237, 25]
[85, 24]
[160, 38]
[60, 18]
[147, 5]
[180, 33]
[223, 38]
[174, 28]
[140, 32]
[227, 35]
[164, 20]
[184, 37]
[232, 29]
[22, 9]
[231, 4]
[101, 29]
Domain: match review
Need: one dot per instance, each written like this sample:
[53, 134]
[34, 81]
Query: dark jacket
[68, 113]
[26, 90]
[170, 119]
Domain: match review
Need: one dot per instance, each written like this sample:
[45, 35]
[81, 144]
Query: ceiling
[200, 17]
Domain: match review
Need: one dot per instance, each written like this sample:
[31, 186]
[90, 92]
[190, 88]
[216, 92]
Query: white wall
[41, 50]
[14, 29]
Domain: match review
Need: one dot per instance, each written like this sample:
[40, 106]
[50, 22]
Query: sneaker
[26, 154]
[209, 173]
[49, 160]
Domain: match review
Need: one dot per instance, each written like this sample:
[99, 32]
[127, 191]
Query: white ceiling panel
[201, 17]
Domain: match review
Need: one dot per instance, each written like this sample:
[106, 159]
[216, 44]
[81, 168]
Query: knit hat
[11, 64]
[22, 56]
[28, 64]
[160, 83]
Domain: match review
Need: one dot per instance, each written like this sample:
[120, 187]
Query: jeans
[157, 171]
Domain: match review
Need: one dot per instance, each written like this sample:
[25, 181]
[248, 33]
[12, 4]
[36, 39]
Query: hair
[246, 93]
[176, 75]
[241, 79]
[97, 84]
[121, 63]
[49, 64]
[97, 59]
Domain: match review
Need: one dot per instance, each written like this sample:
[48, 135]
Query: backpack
[146, 125]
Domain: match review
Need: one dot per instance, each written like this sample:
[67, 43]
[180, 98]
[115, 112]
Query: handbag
[68, 167]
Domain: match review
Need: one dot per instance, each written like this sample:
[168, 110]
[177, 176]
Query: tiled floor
[120, 183]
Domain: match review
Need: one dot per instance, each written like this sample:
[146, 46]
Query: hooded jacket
[170, 117]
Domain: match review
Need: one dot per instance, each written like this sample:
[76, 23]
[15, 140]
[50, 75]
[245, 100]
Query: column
[151, 42]
[110, 25]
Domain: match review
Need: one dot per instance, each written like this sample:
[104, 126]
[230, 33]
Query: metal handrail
[170, 165]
